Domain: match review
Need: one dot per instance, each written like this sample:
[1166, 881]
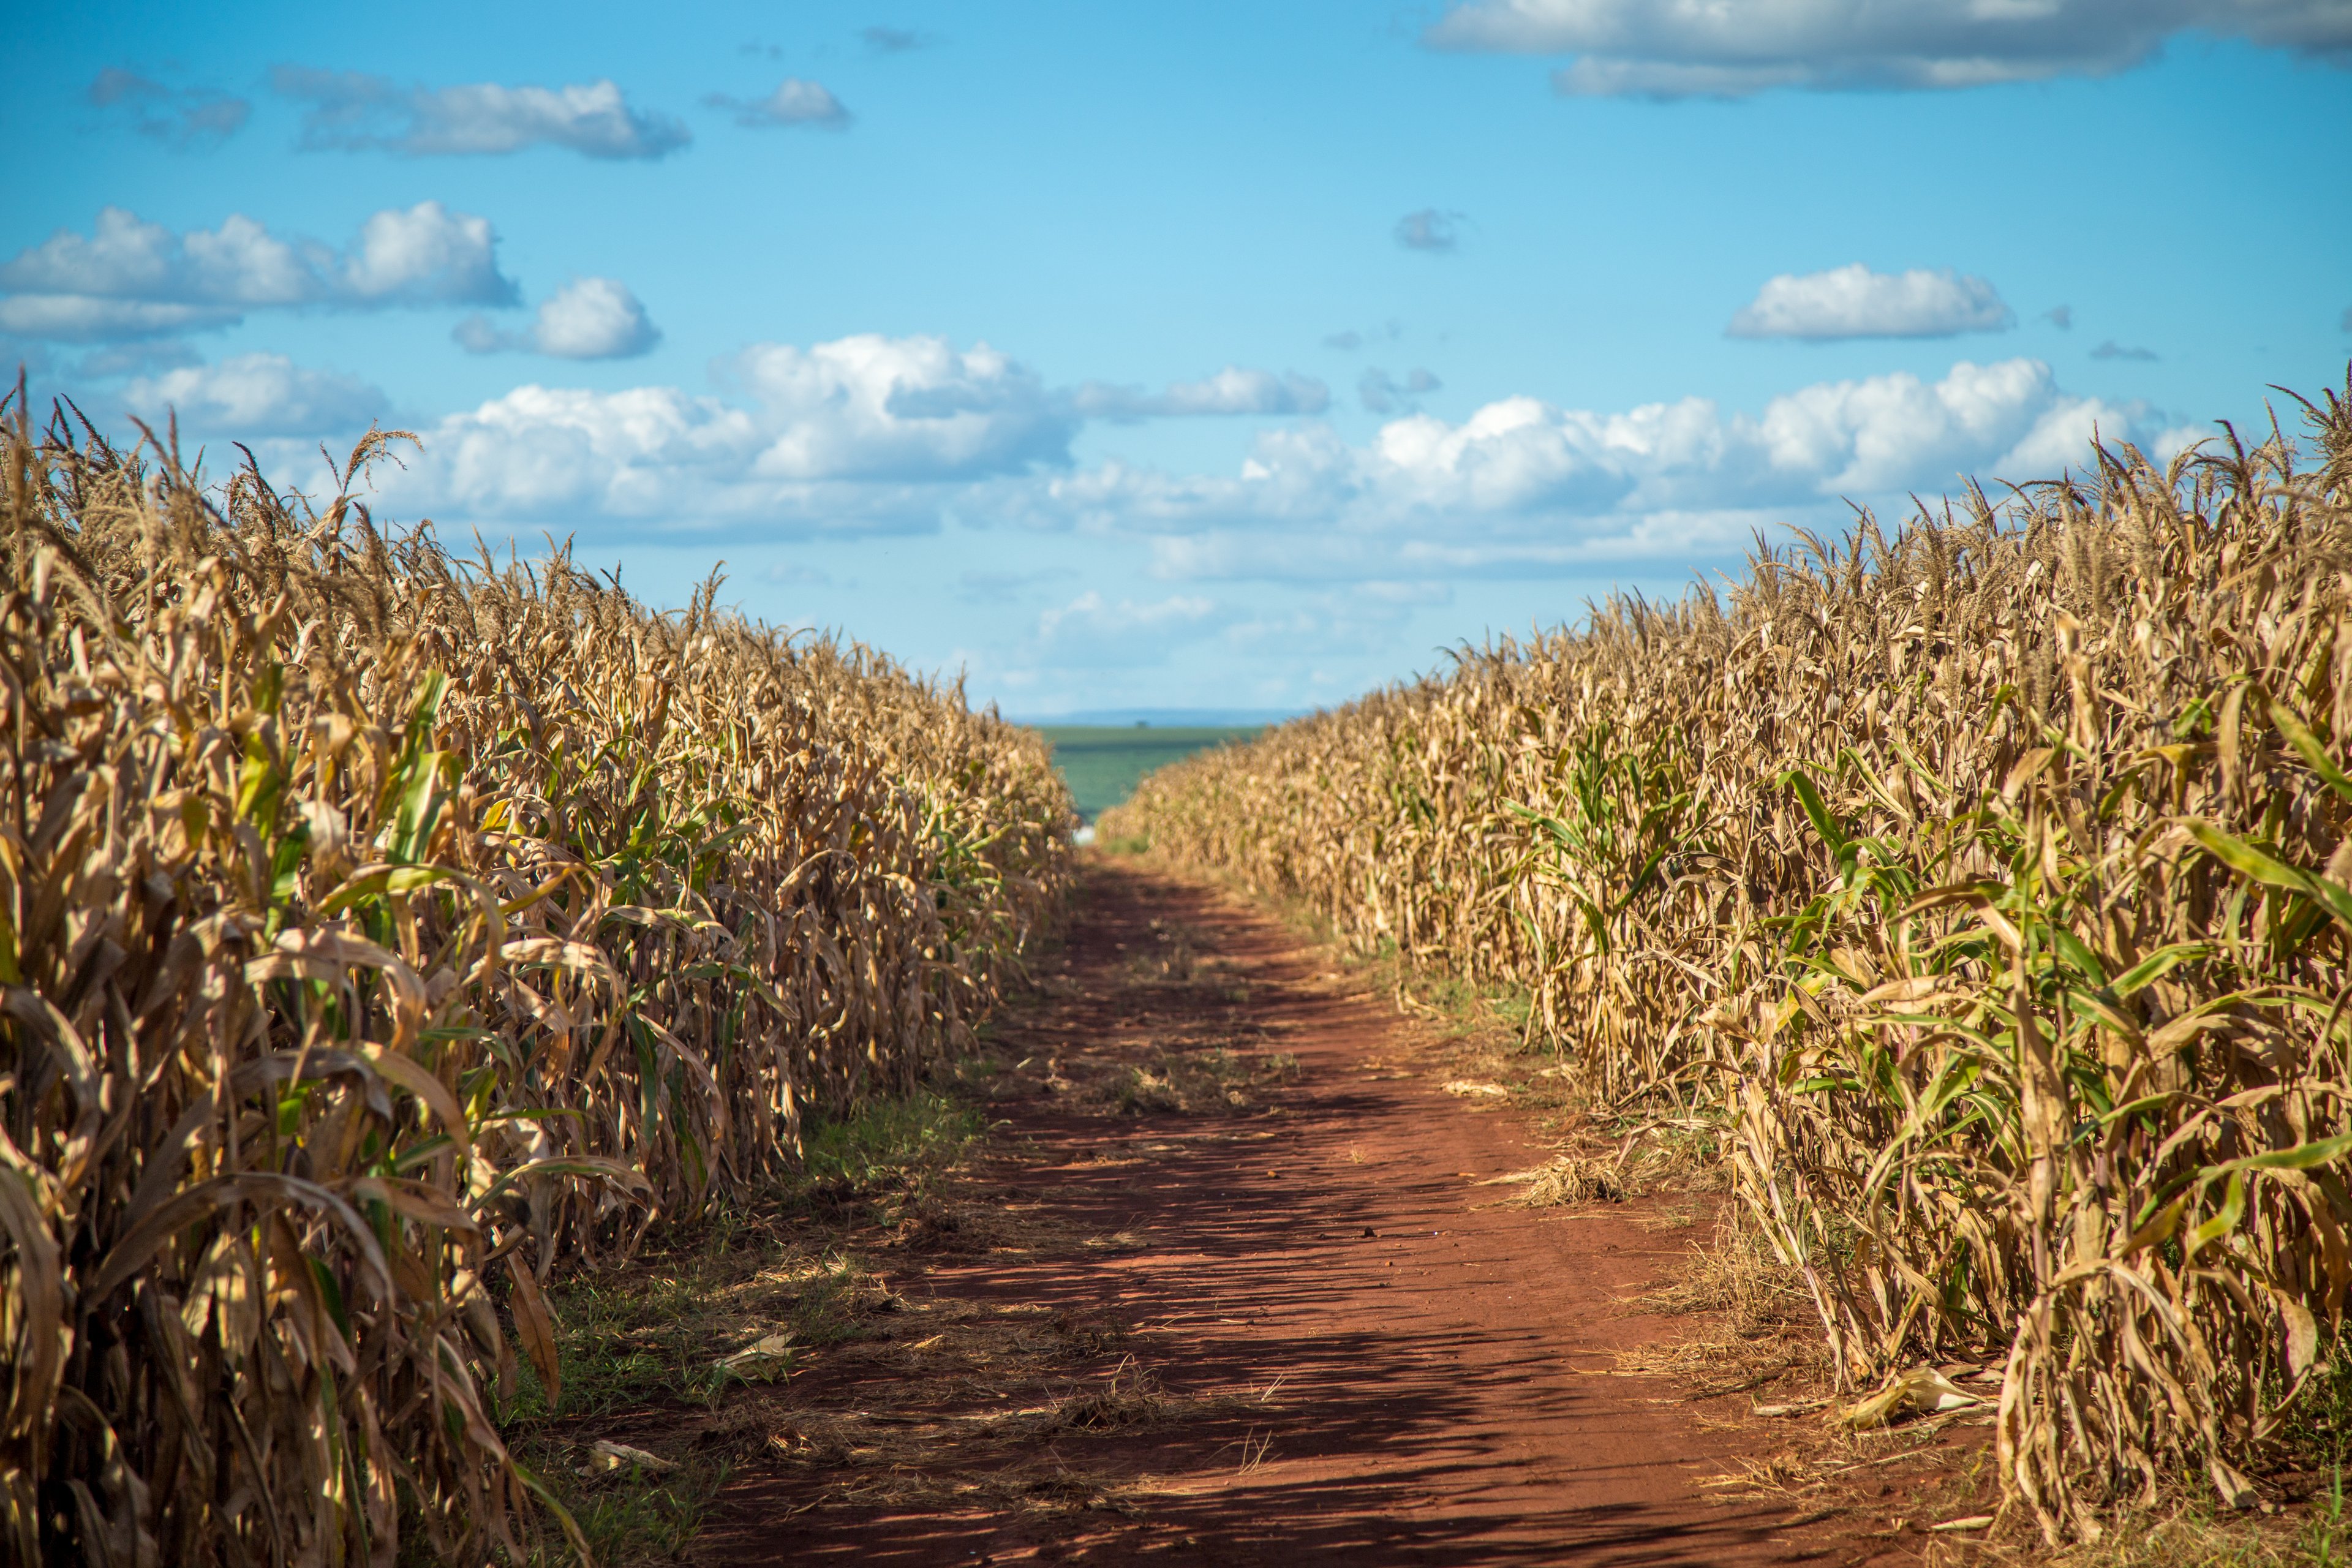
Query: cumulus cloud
[2111, 348]
[795, 102]
[2061, 317]
[862, 434]
[1522, 482]
[1228, 392]
[1429, 229]
[130, 277]
[1853, 301]
[1382, 393]
[865, 433]
[588, 318]
[257, 395]
[872, 434]
[351, 110]
[186, 116]
[1685, 49]
[901, 408]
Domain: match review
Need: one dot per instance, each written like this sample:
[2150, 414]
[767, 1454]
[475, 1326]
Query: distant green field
[1103, 764]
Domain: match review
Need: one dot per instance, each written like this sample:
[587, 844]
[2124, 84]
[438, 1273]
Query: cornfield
[382, 930]
[1987, 883]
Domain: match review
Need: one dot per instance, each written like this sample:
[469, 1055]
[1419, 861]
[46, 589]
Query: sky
[1177, 356]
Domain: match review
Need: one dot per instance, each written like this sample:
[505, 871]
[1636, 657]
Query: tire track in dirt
[1244, 1313]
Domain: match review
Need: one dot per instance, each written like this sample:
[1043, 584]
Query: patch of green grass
[1103, 764]
[892, 1143]
[650, 1334]
[631, 1516]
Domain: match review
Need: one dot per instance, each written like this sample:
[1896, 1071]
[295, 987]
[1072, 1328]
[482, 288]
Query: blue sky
[1180, 355]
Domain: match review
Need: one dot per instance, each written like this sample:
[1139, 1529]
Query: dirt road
[1229, 1292]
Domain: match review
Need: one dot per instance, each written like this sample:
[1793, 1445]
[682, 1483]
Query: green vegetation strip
[1103, 764]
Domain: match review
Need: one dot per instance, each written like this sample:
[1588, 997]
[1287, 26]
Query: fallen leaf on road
[766, 1359]
[1922, 1389]
[606, 1456]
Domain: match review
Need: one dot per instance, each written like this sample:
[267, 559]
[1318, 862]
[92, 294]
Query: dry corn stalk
[381, 930]
[1989, 882]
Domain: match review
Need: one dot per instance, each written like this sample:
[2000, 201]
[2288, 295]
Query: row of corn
[382, 930]
[1987, 883]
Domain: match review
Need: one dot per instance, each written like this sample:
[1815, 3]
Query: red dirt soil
[1443, 1387]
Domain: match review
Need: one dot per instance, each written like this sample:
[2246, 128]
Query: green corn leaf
[2303, 1157]
[2233, 1209]
[2252, 860]
[2159, 965]
[2072, 949]
[2299, 735]
[1810, 799]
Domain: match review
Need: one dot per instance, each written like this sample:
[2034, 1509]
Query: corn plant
[2005, 938]
[382, 931]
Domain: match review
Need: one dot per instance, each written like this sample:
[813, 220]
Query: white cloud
[1682, 48]
[422, 254]
[901, 408]
[1231, 391]
[1521, 479]
[257, 395]
[130, 277]
[1853, 301]
[871, 434]
[547, 452]
[795, 102]
[593, 318]
[865, 434]
[861, 433]
[185, 116]
[353, 111]
[588, 318]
